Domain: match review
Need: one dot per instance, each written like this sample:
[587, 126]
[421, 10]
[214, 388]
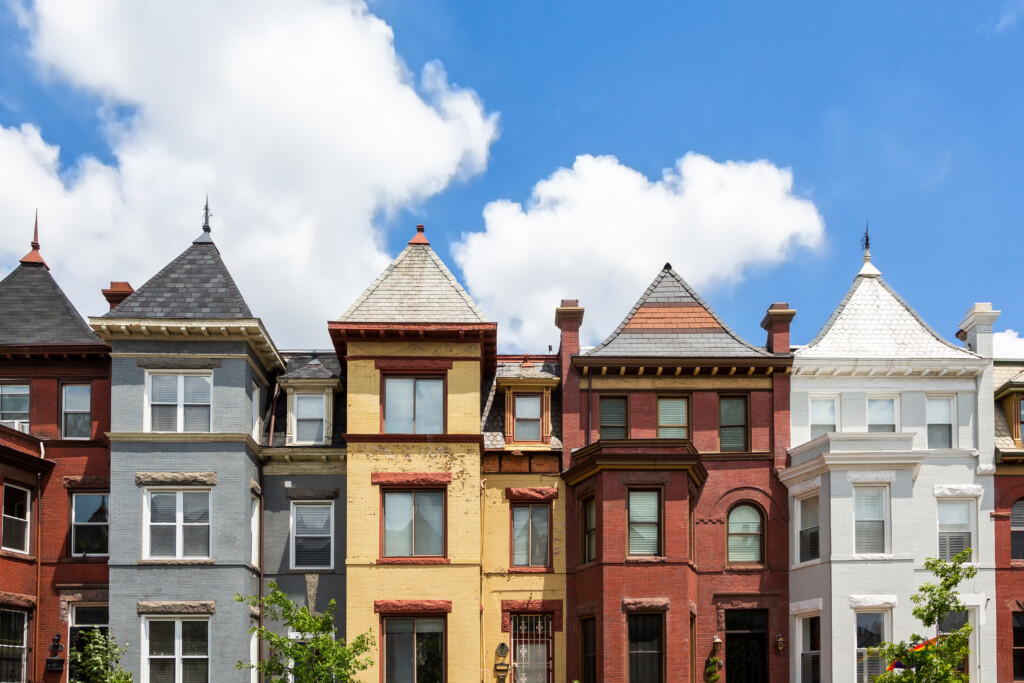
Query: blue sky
[908, 115]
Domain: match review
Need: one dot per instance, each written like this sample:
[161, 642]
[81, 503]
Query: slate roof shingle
[298, 366]
[35, 310]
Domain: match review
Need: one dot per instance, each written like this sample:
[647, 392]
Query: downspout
[483, 629]
[39, 566]
[263, 497]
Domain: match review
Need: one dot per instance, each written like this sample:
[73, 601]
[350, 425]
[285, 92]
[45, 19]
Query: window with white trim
[955, 523]
[179, 402]
[871, 632]
[940, 422]
[254, 531]
[809, 529]
[823, 416]
[90, 526]
[881, 414]
[254, 405]
[17, 512]
[810, 649]
[871, 518]
[76, 411]
[177, 524]
[954, 621]
[84, 619]
[309, 418]
[313, 535]
[13, 645]
[177, 650]
[14, 406]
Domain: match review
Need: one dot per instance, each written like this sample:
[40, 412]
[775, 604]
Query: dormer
[311, 384]
[526, 384]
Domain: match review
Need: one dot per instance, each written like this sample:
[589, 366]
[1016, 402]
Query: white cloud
[1008, 344]
[600, 231]
[298, 118]
[1006, 18]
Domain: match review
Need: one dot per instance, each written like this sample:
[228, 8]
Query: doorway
[746, 646]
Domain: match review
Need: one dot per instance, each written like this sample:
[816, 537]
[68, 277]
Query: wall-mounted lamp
[716, 644]
[780, 643]
[501, 666]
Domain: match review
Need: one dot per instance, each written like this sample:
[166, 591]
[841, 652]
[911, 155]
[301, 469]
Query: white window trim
[73, 523]
[71, 617]
[801, 621]
[974, 654]
[816, 496]
[254, 400]
[254, 532]
[179, 544]
[28, 519]
[64, 411]
[886, 630]
[147, 417]
[886, 517]
[177, 644]
[24, 638]
[291, 534]
[897, 416]
[295, 418]
[254, 656]
[973, 507]
[954, 440]
[835, 398]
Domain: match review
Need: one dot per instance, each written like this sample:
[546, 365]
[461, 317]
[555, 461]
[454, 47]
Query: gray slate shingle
[34, 310]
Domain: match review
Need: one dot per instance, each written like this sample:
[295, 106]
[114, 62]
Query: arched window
[746, 534]
[1017, 530]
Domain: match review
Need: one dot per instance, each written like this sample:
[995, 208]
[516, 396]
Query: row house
[891, 463]
[54, 474]
[673, 430]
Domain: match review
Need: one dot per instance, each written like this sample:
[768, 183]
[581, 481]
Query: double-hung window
[823, 416]
[732, 420]
[810, 649]
[954, 621]
[527, 416]
[531, 535]
[178, 524]
[17, 509]
[177, 651]
[881, 415]
[254, 406]
[1017, 531]
[313, 535]
[414, 650]
[645, 522]
[672, 418]
[940, 422]
[646, 648]
[954, 527]
[85, 619]
[870, 633]
[613, 412]
[746, 535]
[588, 650]
[413, 523]
[76, 409]
[14, 406]
[809, 529]
[13, 645]
[90, 515]
[180, 402]
[870, 516]
[309, 418]
[413, 405]
[589, 518]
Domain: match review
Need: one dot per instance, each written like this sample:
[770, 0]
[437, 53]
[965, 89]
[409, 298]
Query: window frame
[746, 422]
[686, 426]
[896, 416]
[539, 419]
[28, 518]
[629, 645]
[26, 618]
[254, 405]
[72, 614]
[179, 524]
[178, 657]
[75, 523]
[443, 490]
[1013, 647]
[147, 421]
[292, 535]
[441, 375]
[836, 408]
[296, 419]
[886, 519]
[972, 522]
[885, 636]
[512, 549]
[953, 427]
[413, 617]
[761, 561]
[600, 416]
[586, 543]
[592, 618]
[803, 626]
[27, 422]
[660, 551]
[255, 537]
[1018, 530]
[64, 412]
[816, 497]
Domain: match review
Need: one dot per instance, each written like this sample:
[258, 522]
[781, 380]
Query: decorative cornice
[185, 437]
[889, 367]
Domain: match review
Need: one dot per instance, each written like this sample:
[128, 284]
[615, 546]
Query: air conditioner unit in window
[20, 425]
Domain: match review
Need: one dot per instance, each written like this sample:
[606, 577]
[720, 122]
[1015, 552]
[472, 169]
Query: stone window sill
[645, 559]
[176, 562]
[13, 555]
[805, 563]
[746, 567]
[531, 570]
[413, 560]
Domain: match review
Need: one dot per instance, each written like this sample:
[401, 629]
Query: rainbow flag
[899, 665]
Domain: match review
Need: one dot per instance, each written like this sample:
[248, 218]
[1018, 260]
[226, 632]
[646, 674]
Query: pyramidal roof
[670, 319]
[872, 321]
[415, 288]
[34, 309]
[195, 285]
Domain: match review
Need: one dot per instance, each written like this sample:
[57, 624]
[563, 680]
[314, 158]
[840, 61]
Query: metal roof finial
[865, 243]
[34, 256]
[206, 214]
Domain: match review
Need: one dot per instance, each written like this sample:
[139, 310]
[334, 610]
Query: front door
[746, 646]
[531, 648]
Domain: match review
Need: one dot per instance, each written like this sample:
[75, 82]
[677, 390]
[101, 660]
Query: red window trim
[531, 495]
[548, 568]
[552, 607]
[412, 374]
[411, 607]
[415, 559]
[403, 365]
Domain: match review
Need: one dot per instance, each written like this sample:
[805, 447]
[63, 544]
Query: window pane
[870, 537]
[77, 425]
[197, 388]
[868, 503]
[194, 638]
[940, 436]
[162, 507]
[398, 400]
[398, 524]
[309, 406]
[77, 397]
[744, 548]
[164, 388]
[645, 648]
[90, 615]
[539, 539]
[881, 411]
[164, 418]
[732, 411]
[643, 506]
[643, 539]
[161, 671]
[672, 412]
[613, 411]
[744, 519]
[197, 418]
[1017, 515]
[162, 541]
[808, 513]
[823, 411]
[869, 629]
[527, 430]
[1018, 629]
[161, 638]
[196, 540]
[195, 507]
[194, 671]
[1017, 545]
[312, 551]
[309, 431]
[15, 502]
[528, 407]
[955, 516]
[733, 438]
[939, 411]
[90, 540]
[429, 512]
[313, 520]
[15, 535]
[399, 651]
[429, 651]
[429, 406]
[520, 536]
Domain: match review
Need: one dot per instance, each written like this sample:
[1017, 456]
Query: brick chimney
[118, 292]
[776, 321]
[568, 318]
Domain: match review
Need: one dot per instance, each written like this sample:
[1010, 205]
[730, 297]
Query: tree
[97, 659]
[318, 657]
[934, 659]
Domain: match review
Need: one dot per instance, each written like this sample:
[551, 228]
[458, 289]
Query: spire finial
[35, 232]
[419, 237]
[868, 269]
[206, 215]
[34, 256]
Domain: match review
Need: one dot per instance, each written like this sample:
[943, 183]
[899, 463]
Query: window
[85, 618]
[810, 650]
[869, 519]
[1017, 531]
[13, 645]
[531, 648]
[940, 423]
[745, 534]
[870, 633]
[178, 651]
[613, 410]
[672, 418]
[823, 416]
[645, 648]
[530, 535]
[589, 517]
[414, 523]
[254, 531]
[89, 523]
[644, 522]
[1018, 646]
[180, 402]
[413, 405]
[954, 528]
[16, 510]
[527, 426]
[881, 415]
[77, 411]
[14, 406]
[732, 420]
[309, 418]
[809, 529]
[954, 621]
[313, 535]
[254, 405]
[414, 650]
[178, 523]
[588, 650]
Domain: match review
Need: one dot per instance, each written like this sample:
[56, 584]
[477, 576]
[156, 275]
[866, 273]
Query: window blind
[643, 522]
[744, 534]
[613, 417]
[672, 414]
[870, 520]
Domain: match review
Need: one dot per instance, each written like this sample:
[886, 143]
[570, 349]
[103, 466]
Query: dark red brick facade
[1009, 485]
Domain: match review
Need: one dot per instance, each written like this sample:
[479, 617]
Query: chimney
[976, 329]
[568, 318]
[118, 292]
[776, 322]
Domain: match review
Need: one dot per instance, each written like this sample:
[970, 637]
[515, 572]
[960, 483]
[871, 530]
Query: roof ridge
[919, 319]
[226, 274]
[455, 283]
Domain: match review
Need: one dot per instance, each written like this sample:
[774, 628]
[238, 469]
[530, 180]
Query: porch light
[780, 643]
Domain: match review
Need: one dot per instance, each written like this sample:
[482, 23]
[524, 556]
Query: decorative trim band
[176, 607]
[86, 482]
[175, 478]
[410, 478]
[178, 363]
[867, 601]
[805, 606]
[553, 607]
[527, 495]
[412, 606]
[870, 476]
[802, 487]
[646, 604]
[413, 560]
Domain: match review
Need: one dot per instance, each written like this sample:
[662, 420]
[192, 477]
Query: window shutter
[870, 537]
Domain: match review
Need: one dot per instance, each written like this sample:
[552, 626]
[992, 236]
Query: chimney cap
[778, 313]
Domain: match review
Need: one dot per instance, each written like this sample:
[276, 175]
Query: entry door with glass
[531, 648]
[746, 651]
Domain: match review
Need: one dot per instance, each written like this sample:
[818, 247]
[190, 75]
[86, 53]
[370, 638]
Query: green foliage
[97, 659]
[318, 657]
[938, 662]
[711, 674]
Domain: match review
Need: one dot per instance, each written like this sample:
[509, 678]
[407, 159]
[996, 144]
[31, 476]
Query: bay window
[179, 402]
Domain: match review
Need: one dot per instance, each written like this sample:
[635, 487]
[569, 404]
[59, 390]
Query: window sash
[588, 650]
[14, 402]
[188, 409]
[870, 633]
[644, 522]
[310, 418]
[188, 658]
[76, 411]
[732, 421]
[90, 530]
[745, 535]
[414, 523]
[613, 416]
[185, 532]
[646, 648]
[312, 525]
[527, 416]
[673, 416]
[881, 414]
[589, 530]
[16, 529]
[13, 644]
[414, 405]
[531, 534]
[1018, 645]
[414, 650]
